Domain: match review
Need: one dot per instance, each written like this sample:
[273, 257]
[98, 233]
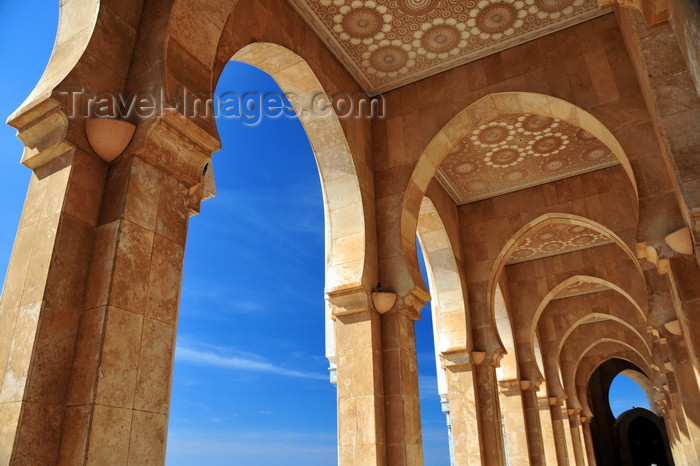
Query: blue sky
[251, 382]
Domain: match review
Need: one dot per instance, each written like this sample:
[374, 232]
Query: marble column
[404, 444]
[535, 444]
[361, 434]
[493, 453]
[464, 412]
[576, 440]
[550, 449]
[516, 442]
[559, 429]
[588, 441]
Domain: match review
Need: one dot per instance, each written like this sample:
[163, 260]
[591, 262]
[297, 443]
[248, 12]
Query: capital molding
[349, 300]
[653, 11]
[459, 357]
[42, 129]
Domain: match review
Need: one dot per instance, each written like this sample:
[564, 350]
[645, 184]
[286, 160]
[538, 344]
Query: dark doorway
[641, 439]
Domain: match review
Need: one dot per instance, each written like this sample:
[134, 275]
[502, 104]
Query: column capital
[458, 357]
[653, 11]
[348, 300]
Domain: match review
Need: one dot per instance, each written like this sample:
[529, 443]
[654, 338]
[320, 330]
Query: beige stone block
[116, 379]
[20, 355]
[76, 425]
[199, 31]
[535, 103]
[297, 79]
[131, 268]
[40, 260]
[438, 148]
[507, 102]
[271, 58]
[17, 269]
[165, 280]
[142, 194]
[482, 111]
[173, 210]
[155, 367]
[40, 429]
[347, 427]
[33, 202]
[343, 192]
[9, 420]
[56, 187]
[87, 356]
[101, 265]
[335, 162]
[149, 432]
[109, 435]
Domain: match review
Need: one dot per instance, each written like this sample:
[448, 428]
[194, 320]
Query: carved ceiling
[389, 43]
[557, 238]
[517, 151]
[579, 288]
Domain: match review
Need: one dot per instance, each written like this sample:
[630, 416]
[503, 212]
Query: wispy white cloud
[250, 362]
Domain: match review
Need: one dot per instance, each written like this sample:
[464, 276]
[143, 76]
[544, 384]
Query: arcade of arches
[541, 151]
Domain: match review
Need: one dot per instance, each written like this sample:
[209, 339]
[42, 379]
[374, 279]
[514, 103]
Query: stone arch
[451, 327]
[480, 112]
[508, 366]
[583, 320]
[644, 383]
[583, 403]
[565, 284]
[346, 242]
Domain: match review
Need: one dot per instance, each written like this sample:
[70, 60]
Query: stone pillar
[684, 279]
[404, 444]
[41, 303]
[535, 445]
[119, 394]
[464, 412]
[550, 449]
[685, 377]
[576, 441]
[489, 413]
[588, 441]
[361, 435]
[559, 429]
[516, 442]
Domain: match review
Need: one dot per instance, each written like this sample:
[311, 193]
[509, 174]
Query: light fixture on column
[673, 327]
[383, 300]
[680, 241]
[478, 357]
[108, 137]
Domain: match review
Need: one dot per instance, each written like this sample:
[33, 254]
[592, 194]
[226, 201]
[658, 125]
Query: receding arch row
[480, 112]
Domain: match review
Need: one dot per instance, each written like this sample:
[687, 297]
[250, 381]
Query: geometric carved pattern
[580, 288]
[517, 151]
[386, 44]
[556, 238]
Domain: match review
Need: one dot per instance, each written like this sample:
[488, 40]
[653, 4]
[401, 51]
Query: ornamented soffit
[559, 238]
[518, 151]
[580, 288]
[387, 44]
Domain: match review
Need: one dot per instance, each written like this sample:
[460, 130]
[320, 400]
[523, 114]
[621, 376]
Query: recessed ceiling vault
[387, 44]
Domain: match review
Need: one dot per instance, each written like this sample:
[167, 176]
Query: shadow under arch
[582, 402]
[541, 222]
[478, 113]
[344, 207]
[596, 315]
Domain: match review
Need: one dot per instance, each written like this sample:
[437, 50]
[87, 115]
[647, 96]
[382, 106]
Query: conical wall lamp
[108, 137]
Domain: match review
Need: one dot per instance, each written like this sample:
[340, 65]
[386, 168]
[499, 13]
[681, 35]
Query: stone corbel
[510, 387]
[348, 300]
[456, 358]
[653, 11]
[42, 129]
[556, 400]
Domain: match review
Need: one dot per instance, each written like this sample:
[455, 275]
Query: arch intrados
[344, 219]
[480, 112]
[565, 284]
[581, 321]
[508, 366]
[445, 280]
[584, 353]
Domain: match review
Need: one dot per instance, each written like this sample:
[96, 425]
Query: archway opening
[625, 394]
[250, 383]
[434, 404]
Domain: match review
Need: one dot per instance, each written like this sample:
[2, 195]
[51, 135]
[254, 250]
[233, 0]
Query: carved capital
[456, 358]
[349, 300]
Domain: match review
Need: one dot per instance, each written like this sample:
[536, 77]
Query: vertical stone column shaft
[404, 443]
[535, 445]
[512, 410]
[361, 435]
[464, 410]
[489, 415]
